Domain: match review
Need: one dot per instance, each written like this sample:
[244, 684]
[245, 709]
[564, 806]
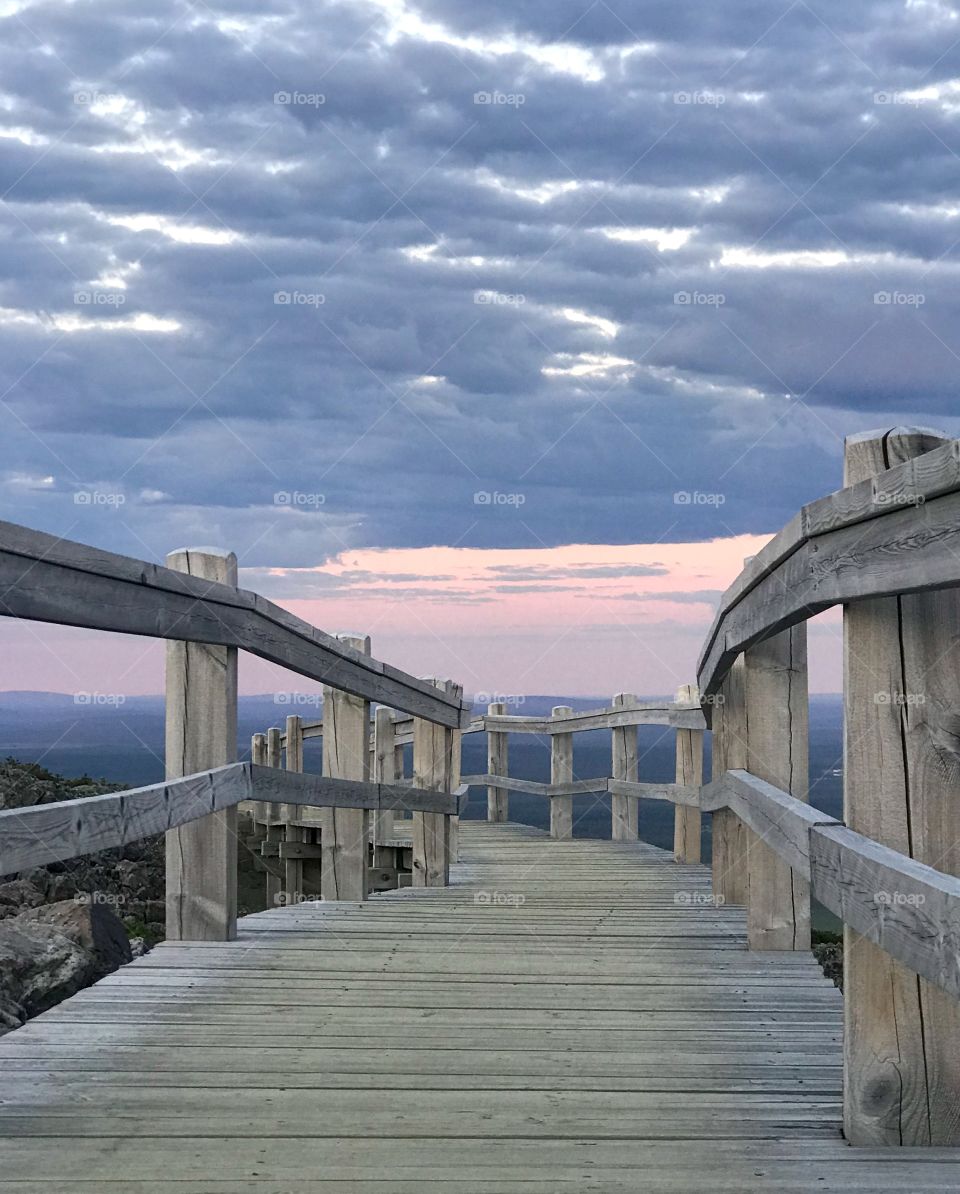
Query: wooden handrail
[907, 908]
[46, 579]
[45, 833]
[896, 533]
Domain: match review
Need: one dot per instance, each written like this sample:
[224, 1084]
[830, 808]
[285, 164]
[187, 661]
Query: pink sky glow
[572, 620]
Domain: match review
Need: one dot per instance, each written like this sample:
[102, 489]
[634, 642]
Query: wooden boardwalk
[565, 1015]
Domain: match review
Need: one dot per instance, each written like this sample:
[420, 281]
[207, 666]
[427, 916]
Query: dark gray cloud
[302, 278]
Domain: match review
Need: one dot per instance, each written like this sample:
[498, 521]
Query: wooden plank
[780, 819]
[498, 801]
[345, 832]
[48, 579]
[384, 772]
[561, 772]
[293, 887]
[435, 760]
[901, 763]
[689, 773]
[778, 896]
[636, 713]
[45, 833]
[907, 909]
[729, 837]
[909, 482]
[201, 733]
[624, 809]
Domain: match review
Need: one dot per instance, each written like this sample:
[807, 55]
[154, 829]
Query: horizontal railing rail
[56, 832]
[46, 579]
[908, 909]
[895, 533]
[674, 793]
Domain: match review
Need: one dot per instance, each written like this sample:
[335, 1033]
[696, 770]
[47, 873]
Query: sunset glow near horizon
[577, 620]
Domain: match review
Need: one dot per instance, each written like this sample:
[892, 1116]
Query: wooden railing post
[686, 820]
[728, 833]
[384, 772]
[293, 867]
[435, 759]
[201, 732]
[778, 898]
[498, 806]
[624, 810]
[561, 772]
[901, 775]
[345, 832]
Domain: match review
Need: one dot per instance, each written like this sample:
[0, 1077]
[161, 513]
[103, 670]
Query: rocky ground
[66, 925]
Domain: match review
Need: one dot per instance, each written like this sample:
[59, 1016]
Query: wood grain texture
[689, 773]
[778, 895]
[201, 733]
[799, 562]
[561, 772]
[384, 772]
[728, 835]
[498, 747]
[345, 832]
[624, 809]
[601, 1030]
[435, 767]
[901, 770]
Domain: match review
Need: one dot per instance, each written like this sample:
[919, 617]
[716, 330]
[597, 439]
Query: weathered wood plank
[624, 809]
[729, 837]
[201, 733]
[783, 821]
[901, 770]
[345, 832]
[498, 746]
[689, 773]
[907, 909]
[435, 766]
[561, 772]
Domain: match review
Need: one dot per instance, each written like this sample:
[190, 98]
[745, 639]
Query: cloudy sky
[499, 331]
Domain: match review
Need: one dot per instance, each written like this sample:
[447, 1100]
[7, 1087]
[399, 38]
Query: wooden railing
[887, 548]
[195, 604]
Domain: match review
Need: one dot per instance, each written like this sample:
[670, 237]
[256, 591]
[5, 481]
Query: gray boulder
[50, 952]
